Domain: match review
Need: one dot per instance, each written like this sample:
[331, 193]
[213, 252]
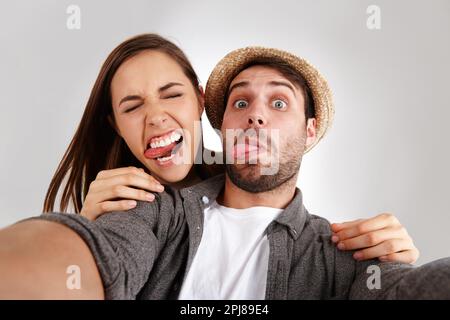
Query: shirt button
[205, 199]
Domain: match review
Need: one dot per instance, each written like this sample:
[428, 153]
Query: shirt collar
[293, 216]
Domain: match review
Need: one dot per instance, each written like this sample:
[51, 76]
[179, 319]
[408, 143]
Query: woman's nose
[157, 120]
[156, 116]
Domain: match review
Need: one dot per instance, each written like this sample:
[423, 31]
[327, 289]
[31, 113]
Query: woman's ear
[202, 92]
[113, 124]
[201, 99]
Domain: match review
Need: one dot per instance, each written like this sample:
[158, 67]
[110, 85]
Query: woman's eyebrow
[160, 90]
[168, 86]
[130, 98]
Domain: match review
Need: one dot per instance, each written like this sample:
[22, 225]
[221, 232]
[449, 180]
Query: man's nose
[256, 117]
[256, 120]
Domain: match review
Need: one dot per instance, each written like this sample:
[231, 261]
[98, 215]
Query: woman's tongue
[153, 153]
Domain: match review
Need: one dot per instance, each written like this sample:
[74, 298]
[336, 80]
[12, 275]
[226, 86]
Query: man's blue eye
[240, 104]
[279, 104]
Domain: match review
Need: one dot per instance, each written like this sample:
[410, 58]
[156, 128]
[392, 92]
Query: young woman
[140, 118]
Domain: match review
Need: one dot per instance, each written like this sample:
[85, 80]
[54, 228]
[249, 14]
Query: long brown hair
[96, 145]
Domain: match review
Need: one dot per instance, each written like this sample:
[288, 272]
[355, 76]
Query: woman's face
[155, 110]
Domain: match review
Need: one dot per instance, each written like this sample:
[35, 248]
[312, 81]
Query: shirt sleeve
[376, 280]
[124, 244]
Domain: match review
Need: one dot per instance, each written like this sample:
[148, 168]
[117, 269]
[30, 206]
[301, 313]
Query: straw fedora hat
[234, 62]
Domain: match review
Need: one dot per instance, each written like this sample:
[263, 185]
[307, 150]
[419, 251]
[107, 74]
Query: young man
[242, 235]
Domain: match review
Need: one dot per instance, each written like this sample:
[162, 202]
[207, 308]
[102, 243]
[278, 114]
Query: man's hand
[381, 237]
[35, 257]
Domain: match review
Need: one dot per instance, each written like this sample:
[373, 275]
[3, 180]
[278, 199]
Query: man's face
[268, 110]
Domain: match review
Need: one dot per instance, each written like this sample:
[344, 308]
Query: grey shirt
[144, 253]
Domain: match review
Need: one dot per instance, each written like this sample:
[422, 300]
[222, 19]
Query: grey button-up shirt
[146, 252]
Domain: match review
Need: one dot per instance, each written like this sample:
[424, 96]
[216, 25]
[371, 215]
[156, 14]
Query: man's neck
[280, 197]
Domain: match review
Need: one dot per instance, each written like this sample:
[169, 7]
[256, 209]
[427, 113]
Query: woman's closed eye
[173, 95]
[132, 108]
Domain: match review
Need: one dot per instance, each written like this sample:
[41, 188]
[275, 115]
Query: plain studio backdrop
[387, 151]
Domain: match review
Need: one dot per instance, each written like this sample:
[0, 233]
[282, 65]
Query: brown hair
[96, 145]
[290, 74]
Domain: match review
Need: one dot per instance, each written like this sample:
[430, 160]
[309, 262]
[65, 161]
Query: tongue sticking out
[153, 153]
[241, 150]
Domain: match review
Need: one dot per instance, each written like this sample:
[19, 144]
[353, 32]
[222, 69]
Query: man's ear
[113, 124]
[311, 127]
[201, 99]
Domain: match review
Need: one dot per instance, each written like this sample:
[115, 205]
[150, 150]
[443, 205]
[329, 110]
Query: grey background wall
[388, 150]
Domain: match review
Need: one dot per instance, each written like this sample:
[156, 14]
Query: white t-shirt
[232, 259]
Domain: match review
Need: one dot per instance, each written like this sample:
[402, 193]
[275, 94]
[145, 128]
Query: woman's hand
[381, 237]
[118, 190]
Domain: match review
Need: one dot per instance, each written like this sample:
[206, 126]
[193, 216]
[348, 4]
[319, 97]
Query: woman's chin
[171, 173]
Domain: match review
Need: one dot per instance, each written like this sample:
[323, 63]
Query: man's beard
[248, 177]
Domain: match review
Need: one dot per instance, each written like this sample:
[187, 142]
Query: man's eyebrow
[272, 83]
[168, 86]
[130, 98]
[283, 83]
[238, 85]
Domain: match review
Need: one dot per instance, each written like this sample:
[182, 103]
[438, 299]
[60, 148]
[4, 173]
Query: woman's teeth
[174, 136]
[164, 159]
